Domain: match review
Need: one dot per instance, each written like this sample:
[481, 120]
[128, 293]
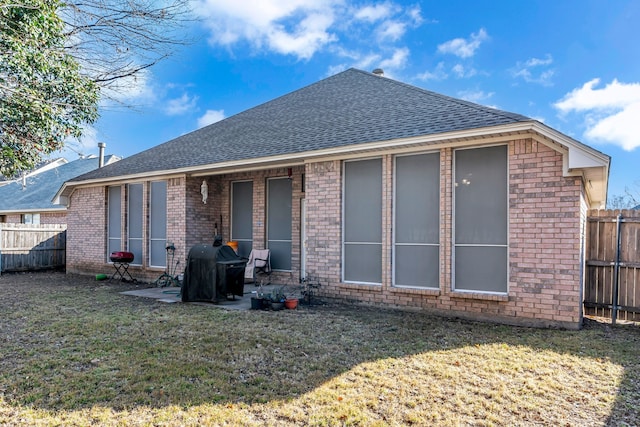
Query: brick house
[28, 199]
[385, 193]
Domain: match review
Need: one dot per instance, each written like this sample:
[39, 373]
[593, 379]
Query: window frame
[344, 242]
[274, 266]
[243, 243]
[117, 220]
[128, 219]
[152, 212]
[395, 243]
[455, 245]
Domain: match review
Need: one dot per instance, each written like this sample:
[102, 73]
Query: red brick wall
[545, 229]
[45, 218]
[86, 232]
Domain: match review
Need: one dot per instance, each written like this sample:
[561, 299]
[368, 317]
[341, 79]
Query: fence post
[616, 272]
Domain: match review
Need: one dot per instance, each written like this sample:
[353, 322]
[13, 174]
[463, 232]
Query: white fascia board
[34, 210]
[575, 154]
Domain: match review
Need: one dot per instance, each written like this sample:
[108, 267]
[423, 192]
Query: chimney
[101, 146]
[378, 72]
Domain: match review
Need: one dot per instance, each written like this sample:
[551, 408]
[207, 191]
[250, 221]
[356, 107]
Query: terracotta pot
[291, 303]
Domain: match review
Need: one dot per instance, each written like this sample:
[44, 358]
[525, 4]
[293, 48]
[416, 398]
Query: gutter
[576, 154]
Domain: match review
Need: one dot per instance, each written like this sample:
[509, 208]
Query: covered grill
[212, 274]
[121, 260]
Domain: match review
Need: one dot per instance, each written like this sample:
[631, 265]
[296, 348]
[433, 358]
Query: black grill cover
[212, 272]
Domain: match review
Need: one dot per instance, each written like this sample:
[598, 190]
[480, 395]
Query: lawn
[73, 351]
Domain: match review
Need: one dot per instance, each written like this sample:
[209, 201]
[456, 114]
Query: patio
[172, 295]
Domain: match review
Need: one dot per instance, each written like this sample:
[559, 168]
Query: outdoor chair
[259, 263]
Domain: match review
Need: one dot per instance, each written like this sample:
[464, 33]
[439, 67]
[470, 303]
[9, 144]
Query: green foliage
[44, 98]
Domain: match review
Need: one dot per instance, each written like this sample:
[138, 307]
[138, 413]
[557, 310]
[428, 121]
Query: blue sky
[573, 64]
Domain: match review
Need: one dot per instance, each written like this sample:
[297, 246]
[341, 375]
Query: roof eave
[578, 158]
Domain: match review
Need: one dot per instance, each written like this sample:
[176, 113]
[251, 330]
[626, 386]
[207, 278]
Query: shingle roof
[42, 187]
[352, 107]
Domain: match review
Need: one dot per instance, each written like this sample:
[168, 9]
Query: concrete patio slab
[172, 295]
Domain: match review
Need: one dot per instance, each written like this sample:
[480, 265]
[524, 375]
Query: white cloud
[182, 105]
[295, 27]
[611, 113]
[463, 72]
[302, 28]
[477, 96]
[397, 60]
[368, 61]
[464, 48]
[391, 30]
[374, 13]
[438, 74]
[85, 145]
[135, 89]
[535, 70]
[211, 116]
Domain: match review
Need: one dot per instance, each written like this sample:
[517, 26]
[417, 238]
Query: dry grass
[74, 351]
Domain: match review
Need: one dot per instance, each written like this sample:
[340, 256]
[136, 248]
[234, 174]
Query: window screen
[242, 216]
[134, 222]
[481, 208]
[417, 221]
[279, 222]
[362, 204]
[114, 226]
[158, 224]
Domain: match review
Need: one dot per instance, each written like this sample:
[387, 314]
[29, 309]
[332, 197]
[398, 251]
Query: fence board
[601, 257]
[27, 247]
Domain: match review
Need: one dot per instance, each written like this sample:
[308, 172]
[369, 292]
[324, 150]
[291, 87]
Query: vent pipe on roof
[101, 146]
[378, 72]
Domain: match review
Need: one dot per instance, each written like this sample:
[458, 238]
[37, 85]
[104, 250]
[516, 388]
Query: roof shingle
[352, 107]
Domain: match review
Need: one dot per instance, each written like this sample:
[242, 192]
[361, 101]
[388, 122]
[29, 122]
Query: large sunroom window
[114, 223]
[481, 222]
[242, 216]
[134, 222]
[279, 204]
[158, 224]
[417, 221]
[362, 221]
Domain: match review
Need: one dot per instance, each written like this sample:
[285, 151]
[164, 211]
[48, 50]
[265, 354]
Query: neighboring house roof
[35, 192]
[40, 167]
[352, 111]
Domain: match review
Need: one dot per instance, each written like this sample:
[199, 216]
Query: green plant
[278, 294]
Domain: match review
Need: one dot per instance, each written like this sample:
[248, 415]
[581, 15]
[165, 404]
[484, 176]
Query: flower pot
[275, 306]
[291, 303]
[257, 303]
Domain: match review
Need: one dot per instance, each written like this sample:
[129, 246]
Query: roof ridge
[480, 107]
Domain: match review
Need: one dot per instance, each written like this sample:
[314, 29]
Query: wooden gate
[28, 247]
[613, 264]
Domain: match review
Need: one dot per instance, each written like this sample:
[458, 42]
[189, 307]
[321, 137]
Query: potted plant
[292, 299]
[277, 298]
[260, 301]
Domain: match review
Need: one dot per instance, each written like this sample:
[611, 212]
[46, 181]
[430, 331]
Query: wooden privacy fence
[27, 247]
[612, 287]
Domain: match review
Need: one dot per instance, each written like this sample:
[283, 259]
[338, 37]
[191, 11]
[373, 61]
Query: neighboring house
[385, 193]
[28, 200]
[41, 167]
